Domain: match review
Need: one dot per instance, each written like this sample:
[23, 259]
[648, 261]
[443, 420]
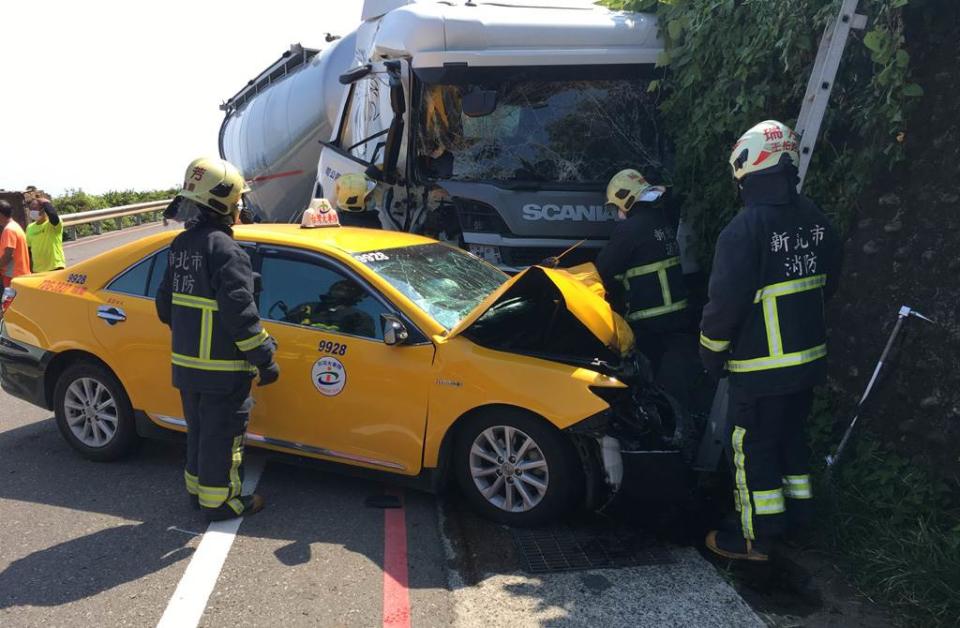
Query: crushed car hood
[555, 311]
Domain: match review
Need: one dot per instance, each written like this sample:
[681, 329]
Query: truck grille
[518, 257]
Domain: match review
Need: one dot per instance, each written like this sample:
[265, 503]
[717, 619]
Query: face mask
[34, 215]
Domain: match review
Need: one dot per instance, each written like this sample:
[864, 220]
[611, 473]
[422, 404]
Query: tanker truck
[493, 125]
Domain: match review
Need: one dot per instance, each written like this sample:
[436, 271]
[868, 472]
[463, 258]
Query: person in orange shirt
[14, 255]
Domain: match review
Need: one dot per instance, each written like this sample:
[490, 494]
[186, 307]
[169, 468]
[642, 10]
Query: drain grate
[564, 548]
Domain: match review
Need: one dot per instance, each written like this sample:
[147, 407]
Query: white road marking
[190, 599]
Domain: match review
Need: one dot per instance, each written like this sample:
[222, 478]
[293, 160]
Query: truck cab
[495, 126]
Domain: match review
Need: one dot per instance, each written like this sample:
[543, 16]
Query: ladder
[821, 79]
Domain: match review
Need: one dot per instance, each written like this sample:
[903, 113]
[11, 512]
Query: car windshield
[543, 128]
[444, 282]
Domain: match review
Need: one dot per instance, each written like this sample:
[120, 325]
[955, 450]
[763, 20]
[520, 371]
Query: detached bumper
[23, 370]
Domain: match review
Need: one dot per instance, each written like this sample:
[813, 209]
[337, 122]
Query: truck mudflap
[642, 447]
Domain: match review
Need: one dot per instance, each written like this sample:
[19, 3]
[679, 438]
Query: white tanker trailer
[495, 125]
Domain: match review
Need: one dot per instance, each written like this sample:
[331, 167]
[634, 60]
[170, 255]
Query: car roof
[349, 240]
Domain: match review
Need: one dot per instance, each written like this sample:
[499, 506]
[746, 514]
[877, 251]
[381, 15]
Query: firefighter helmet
[762, 148]
[627, 187]
[214, 183]
[352, 191]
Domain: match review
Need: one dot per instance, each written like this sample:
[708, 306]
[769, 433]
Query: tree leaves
[731, 63]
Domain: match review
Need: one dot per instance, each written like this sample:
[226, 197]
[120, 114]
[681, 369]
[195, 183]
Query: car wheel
[94, 413]
[516, 469]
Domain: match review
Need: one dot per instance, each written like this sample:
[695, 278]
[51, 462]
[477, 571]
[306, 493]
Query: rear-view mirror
[479, 103]
[354, 75]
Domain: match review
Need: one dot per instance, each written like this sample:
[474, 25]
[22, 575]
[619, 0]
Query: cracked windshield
[444, 282]
[534, 130]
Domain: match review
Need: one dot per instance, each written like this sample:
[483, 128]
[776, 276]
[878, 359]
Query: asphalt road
[116, 544]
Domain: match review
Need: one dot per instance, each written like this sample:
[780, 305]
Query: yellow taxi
[398, 354]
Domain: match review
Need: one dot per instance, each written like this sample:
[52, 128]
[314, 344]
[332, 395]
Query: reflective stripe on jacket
[206, 297]
[775, 265]
[641, 266]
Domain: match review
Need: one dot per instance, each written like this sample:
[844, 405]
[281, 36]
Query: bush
[73, 201]
[732, 63]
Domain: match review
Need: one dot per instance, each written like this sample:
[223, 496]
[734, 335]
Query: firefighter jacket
[640, 268]
[775, 264]
[206, 297]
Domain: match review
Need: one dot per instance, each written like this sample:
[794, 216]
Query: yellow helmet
[352, 191]
[214, 183]
[627, 187]
[762, 147]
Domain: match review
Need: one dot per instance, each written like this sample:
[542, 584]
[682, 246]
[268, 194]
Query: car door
[136, 344]
[343, 393]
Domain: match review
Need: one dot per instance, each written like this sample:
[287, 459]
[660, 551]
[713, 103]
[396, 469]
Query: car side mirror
[394, 331]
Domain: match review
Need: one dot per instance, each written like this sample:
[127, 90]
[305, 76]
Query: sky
[108, 95]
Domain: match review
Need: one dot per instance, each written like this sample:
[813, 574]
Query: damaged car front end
[643, 444]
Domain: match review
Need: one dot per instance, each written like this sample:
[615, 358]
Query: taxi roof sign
[319, 214]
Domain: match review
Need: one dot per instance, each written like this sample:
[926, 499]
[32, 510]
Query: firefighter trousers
[674, 360]
[216, 423]
[770, 461]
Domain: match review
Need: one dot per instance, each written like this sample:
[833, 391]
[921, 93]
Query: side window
[156, 273]
[134, 279]
[368, 118]
[143, 278]
[311, 295]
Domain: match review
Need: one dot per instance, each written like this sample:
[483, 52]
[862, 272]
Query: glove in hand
[715, 362]
[268, 374]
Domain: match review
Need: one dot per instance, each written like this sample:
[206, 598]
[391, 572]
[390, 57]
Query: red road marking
[267, 177]
[396, 596]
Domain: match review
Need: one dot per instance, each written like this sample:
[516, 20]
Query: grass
[894, 525]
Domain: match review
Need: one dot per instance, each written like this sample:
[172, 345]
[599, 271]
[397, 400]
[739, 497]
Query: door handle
[111, 314]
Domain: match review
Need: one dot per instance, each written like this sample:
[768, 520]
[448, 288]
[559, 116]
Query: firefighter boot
[252, 504]
[732, 545]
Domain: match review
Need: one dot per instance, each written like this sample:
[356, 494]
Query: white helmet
[761, 148]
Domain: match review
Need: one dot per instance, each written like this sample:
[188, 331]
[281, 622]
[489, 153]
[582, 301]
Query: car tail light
[7, 299]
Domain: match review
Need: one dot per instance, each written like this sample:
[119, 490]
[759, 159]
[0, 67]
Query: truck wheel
[94, 413]
[515, 468]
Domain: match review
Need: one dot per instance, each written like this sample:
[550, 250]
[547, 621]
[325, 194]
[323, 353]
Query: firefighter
[775, 264]
[219, 345]
[640, 265]
[355, 199]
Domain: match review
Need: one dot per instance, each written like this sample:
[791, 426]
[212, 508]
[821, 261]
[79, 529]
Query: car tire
[93, 412]
[550, 478]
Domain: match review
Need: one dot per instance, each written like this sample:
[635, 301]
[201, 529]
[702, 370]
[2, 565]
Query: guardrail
[95, 217]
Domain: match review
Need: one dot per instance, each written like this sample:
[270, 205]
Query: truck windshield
[545, 128]
[444, 282]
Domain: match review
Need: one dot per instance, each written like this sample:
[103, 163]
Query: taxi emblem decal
[329, 376]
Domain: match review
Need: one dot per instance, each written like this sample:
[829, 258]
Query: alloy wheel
[509, 468]
[91, 412]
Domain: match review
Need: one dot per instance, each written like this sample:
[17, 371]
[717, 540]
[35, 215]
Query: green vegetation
[74, 201]
[732, 63]
[896, 525]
